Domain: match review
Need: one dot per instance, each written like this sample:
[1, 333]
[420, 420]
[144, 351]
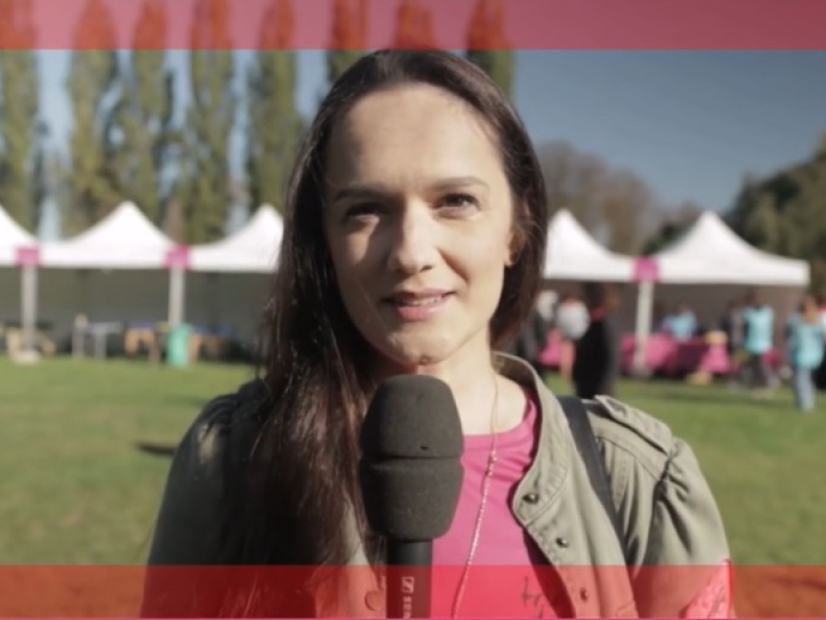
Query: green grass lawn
[75, 488]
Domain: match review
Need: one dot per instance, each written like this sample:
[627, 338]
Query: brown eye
[459, 202]
[363, 210]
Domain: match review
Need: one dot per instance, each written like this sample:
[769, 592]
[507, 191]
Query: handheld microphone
[411, 477]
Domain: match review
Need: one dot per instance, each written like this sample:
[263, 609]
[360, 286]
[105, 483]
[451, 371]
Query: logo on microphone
[408, 585]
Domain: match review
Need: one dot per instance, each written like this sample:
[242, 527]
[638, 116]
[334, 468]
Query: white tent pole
[177, 286]
[28, 304]
[645, 304]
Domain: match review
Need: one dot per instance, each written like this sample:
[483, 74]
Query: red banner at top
[371, 24]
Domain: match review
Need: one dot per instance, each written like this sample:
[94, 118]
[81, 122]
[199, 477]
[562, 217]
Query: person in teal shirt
[806, 340]
[758, 341]
[682, 325]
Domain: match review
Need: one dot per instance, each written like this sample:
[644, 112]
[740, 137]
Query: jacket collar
[546, 476]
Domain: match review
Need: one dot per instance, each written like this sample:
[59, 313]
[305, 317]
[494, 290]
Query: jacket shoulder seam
[654, 461]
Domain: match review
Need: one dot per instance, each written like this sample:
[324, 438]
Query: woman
[806, 337]
[414, 237]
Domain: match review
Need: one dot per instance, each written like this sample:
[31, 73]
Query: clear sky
[691, 124]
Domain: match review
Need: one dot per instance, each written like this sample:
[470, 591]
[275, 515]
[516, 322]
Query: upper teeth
[423, 301]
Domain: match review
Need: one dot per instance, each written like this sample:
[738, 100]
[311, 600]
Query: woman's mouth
[418, 306]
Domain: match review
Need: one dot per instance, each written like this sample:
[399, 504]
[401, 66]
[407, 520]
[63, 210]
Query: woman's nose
[412, 247]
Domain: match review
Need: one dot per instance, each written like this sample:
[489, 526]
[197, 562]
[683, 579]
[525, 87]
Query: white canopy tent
[124, 239]
[710, 266]
[711, 253]
[15, 244]
[252, 249]
[228, 280]
[120, 262]
[13, 237]
[573, 254]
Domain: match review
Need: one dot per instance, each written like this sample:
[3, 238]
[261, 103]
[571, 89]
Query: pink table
[665, 355]
[551, 354]
[671, 357]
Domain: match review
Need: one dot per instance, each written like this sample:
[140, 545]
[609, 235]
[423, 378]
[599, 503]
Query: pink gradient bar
[528, 24]
[41, 591]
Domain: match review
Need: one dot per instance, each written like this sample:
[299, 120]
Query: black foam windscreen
[411, 471]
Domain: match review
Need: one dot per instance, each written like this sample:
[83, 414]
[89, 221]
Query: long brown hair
[291, 495]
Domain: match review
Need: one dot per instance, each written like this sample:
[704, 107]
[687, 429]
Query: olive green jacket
[674, 536]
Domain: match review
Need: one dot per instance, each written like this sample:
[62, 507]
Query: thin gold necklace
[477, 528]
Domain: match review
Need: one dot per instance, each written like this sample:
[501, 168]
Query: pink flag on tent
[178, 257]
[28, 257]
[646, 269]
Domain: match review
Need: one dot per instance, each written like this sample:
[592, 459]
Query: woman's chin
[409, 354]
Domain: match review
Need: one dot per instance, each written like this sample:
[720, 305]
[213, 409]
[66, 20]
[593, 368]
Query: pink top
[501, 581]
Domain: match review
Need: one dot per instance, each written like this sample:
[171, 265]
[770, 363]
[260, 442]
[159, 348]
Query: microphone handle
[409, 578]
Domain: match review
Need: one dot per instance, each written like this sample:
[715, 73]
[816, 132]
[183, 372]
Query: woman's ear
[516, 239]
[515, 245]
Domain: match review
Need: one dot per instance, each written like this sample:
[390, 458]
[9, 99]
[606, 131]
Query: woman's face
[418, 218]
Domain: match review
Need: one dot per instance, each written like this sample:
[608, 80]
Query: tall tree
[627, 207]
[488, 44]
[205, 193]
[785, 213]
[349, 36]
[275, 124]
[92, 80]
[144, 115]
[414, 26]
[19, 125]
[573, 181]
[616, 206]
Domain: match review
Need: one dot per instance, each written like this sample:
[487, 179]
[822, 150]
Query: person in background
[820, 304]
[758, 319]
[658, 317]
[806, 340]
[598, 353]
[732, 325]
[571, 322]
[820, 373]
[546, 305]
[531, 339]
[682, 324]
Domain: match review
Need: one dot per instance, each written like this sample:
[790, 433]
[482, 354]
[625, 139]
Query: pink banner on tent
[28, 257]
[646, 269]
[178, 257]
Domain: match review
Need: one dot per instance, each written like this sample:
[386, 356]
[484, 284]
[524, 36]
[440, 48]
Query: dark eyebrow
[370, 191]
[360, 191]
[457, 183]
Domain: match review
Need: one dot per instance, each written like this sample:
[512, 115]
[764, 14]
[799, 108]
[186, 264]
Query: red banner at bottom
[121, 591]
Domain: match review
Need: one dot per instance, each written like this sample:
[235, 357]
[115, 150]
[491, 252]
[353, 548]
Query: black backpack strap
[586, 443]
